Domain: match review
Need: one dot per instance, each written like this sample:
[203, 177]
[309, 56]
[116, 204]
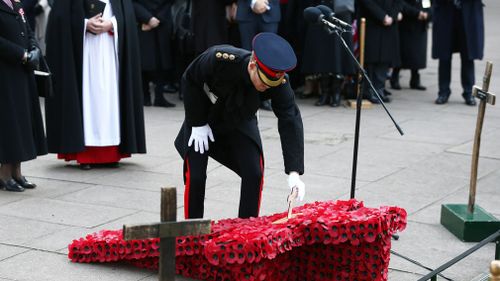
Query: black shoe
[387, 93]
[24, 183]
[373, 99]
[85, 167]
[469, 99]
[442, 99]
[395, 85]
[12, 185]
[169, 88]
[266, 105]
[163, 103]
[335, 100]
[323, 99]
[418, 87]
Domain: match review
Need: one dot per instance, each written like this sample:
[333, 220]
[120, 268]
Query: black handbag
[43, 80]
[183, 30]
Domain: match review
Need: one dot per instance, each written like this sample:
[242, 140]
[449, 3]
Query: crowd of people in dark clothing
[152, 42]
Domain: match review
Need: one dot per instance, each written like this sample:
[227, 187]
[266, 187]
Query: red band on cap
[269, 72]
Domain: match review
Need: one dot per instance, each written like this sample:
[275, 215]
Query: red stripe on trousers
[187, 186]
[261, 183]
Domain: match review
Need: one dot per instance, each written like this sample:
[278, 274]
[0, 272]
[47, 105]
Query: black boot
[442, 98]
[395, 79]
[337, 87]
[160, 99]
[415, 81]
[469, 99]
[324, 84]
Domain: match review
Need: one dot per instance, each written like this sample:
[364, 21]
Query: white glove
[294, 181]
[200, 137]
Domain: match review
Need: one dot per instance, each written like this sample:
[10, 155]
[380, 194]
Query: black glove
[33, 59]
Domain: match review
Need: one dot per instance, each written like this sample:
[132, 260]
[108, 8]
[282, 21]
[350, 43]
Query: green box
[466, 226]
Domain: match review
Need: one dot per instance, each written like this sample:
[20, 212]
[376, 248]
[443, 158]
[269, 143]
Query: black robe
[64, 54]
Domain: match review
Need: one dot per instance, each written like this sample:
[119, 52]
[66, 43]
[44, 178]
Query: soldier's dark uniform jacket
[217, 90]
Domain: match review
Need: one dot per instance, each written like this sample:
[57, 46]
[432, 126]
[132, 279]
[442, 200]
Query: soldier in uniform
[222, 88]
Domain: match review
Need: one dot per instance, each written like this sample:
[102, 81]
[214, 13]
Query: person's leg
[395, 79]
[251, 167]
[325, 84]
[159, 80]
[145, 88]
[195, 176]
[444, 80]
[337, 82]
[19, 178]
[467, 79]
[415, 82]
[378, 79]
[6, 180]
[248, 30]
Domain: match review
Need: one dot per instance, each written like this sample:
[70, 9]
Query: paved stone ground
[428, 166]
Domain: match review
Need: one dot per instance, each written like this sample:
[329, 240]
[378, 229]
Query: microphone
[314, 15]
[330, 16]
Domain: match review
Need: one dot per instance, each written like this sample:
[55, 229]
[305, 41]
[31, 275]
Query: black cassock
[64, 55]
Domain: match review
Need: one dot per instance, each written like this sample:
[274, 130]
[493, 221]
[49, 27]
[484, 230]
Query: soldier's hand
[199, 136]
[33, 58]
[294, 181]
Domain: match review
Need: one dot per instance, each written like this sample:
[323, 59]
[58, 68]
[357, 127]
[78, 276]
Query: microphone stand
[338, 31]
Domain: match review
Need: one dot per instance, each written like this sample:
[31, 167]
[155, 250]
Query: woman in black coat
[21, 124]
[155, 36]
[382, 42]
[413, 42]
[325, 58]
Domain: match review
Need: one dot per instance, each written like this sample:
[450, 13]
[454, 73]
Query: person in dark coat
[210, 24]
[256, 16]
[222, 89]
[21, 122]
[413, 42]
[458, 26]
[382, 43]
[31, 10]
[64, 112]
[155, 33]
[325, 57]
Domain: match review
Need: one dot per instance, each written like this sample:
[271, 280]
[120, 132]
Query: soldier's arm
[196, 101]
[290, 127]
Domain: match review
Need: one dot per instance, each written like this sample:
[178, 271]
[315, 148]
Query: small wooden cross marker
[167, 230]
[485, 97]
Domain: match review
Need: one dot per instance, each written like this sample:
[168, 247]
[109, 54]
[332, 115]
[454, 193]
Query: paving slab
[63, 213]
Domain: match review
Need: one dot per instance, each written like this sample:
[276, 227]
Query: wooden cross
[485, 97]
[167, 230]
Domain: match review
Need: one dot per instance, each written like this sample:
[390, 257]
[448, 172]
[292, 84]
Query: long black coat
[382, 42]
[20, 118]
[324, 53]
[445, 27]
[209, 23]
[413, 35]
[156, 44]
[236, 106]
[64, 54]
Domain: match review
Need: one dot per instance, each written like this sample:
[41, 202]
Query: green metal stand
[466, 226]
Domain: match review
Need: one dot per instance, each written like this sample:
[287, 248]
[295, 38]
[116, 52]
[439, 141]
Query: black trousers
[250, 164]
[248, 29]
[466, 75]
[378, 74]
